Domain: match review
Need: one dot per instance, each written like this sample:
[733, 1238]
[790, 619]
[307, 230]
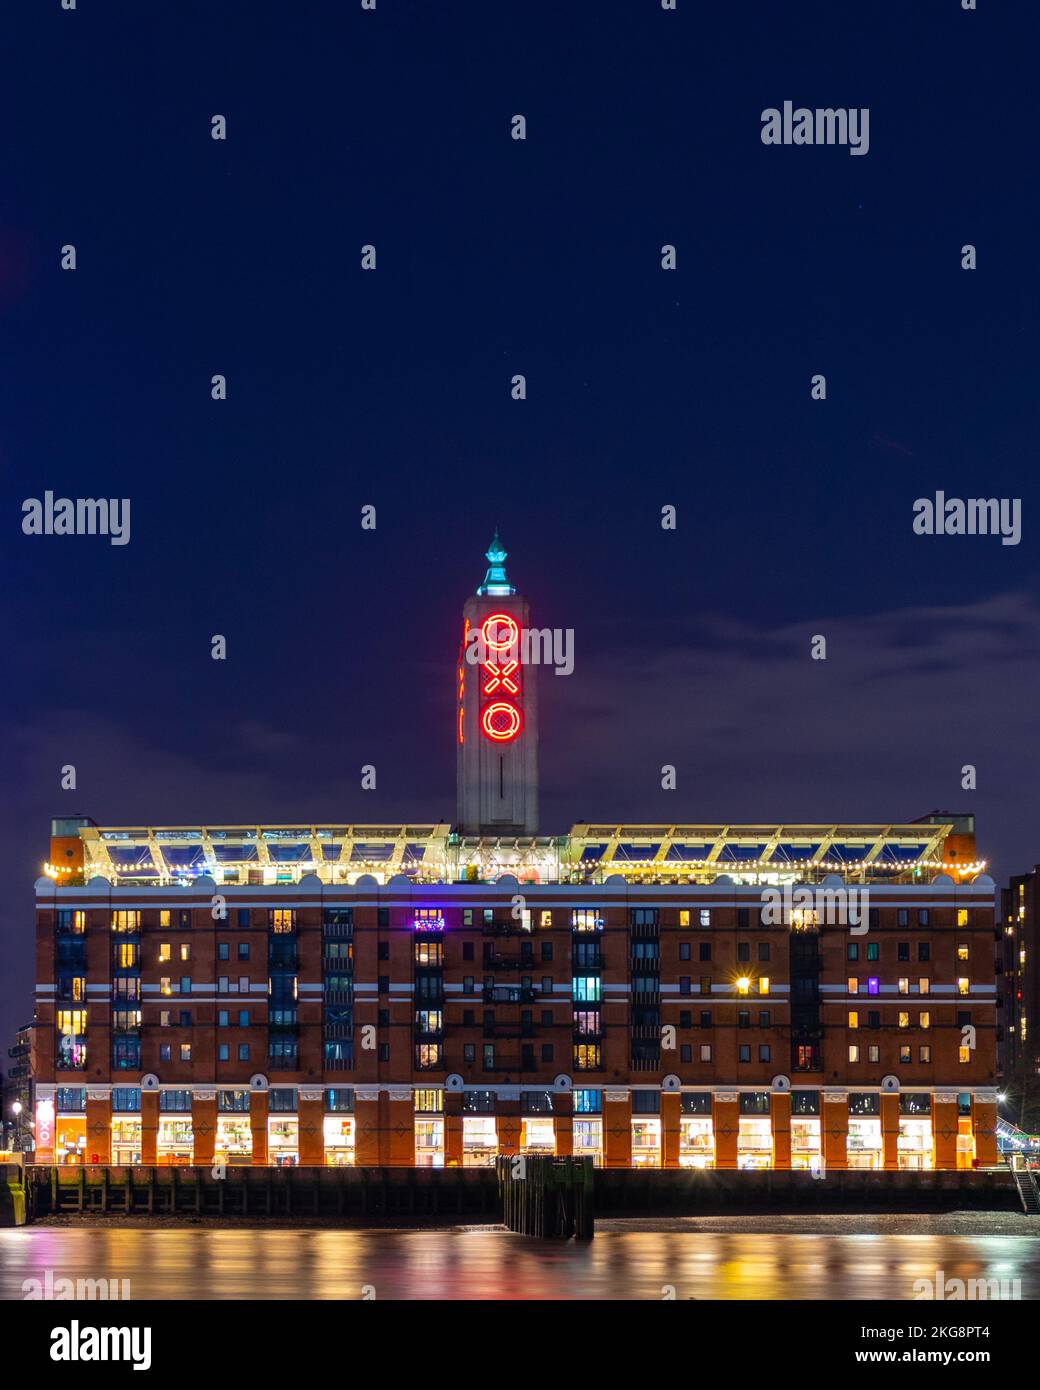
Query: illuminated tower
[496, 710]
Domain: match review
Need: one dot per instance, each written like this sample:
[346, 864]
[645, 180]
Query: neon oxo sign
[500, 719]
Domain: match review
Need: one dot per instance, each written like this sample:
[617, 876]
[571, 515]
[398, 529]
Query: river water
[833, 1257]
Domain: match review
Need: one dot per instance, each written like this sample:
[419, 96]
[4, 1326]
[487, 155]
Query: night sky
[392, 388]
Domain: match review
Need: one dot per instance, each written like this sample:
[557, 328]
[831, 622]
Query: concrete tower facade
[497, 710]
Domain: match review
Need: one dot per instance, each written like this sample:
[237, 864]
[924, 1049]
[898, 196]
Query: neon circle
[499, 620]
[500, 722]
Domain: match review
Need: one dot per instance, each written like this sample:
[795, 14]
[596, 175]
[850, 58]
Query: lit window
[923, 985]
[684, 917]
[872, 985]
[964, 1054]
[165, 986]
[874, 1054]
[853, 984]
[763, 984]
[164, 1018]
[904, 1019]
[705, 917]
[853, 1052]
[705, 1052]
[743, 985]
[962, 985]
[164, 917]
[924, 1054]
[904, 985]
[185, 1052]
[545, 918]
[185, 951]
[924, 1020]
[164, 951]
[962, 953]
[962, 916]
[854, 1019]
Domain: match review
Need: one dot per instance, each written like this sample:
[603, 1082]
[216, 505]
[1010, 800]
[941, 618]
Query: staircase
[1028, 1192]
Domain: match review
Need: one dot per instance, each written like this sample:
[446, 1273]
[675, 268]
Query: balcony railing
[645, 930]
[646, 1063]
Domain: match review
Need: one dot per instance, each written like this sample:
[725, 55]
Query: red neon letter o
[500, 722]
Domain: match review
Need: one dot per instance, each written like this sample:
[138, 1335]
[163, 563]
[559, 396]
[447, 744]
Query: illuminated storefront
[340, 1138]
[914, 1146]
[864, 1146]
[806, 1136]
[538, 1135]
[588, 1140]
[479, 1141]
[755, 1132]
[696, 1134]
[234, 1143]
[70, 1125]
[646, 1142]
[283, 1127]
[126, 1140]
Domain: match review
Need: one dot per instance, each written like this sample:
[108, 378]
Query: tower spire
[495, 584]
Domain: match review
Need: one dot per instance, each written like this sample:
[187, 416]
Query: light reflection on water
[488, 1263]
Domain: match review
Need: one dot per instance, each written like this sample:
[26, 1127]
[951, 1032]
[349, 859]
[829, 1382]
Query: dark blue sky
[644, 388]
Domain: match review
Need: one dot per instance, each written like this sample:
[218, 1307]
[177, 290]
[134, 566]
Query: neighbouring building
[786, 996]
[1020, 912]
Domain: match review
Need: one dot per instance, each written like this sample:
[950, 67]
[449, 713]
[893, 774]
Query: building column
[204, 1126]
[617, 1129]
[401, 1115]
[311, 1115]
[671, 1111]
[890, 1130]
[944, 1129]
[984, 1127]
[725, 1121]
[258, 1108]
[508, 1128]
[99, 1126]
[780, 1113]
[150, 1128]
[366, 1112]
[563, 1123]
[452, 1129]
[834, 1126]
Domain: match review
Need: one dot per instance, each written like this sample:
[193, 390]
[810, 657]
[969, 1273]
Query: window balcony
[646, 1063]
[645, 930]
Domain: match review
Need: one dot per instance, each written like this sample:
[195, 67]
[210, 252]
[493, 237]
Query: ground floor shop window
[646, 1142]
[126, 1141]
[965, 1142]
[755, 1142]
[175, 1139]
[696, 1142]
[283, 1140]
[914, 1145]
[234, 1139]
[806, 1151]
[429, 1142]
[864, 1147]
[588, 1140]
[479, 1141]
[340, 1138]
[70, 1139]
[537, 1135]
